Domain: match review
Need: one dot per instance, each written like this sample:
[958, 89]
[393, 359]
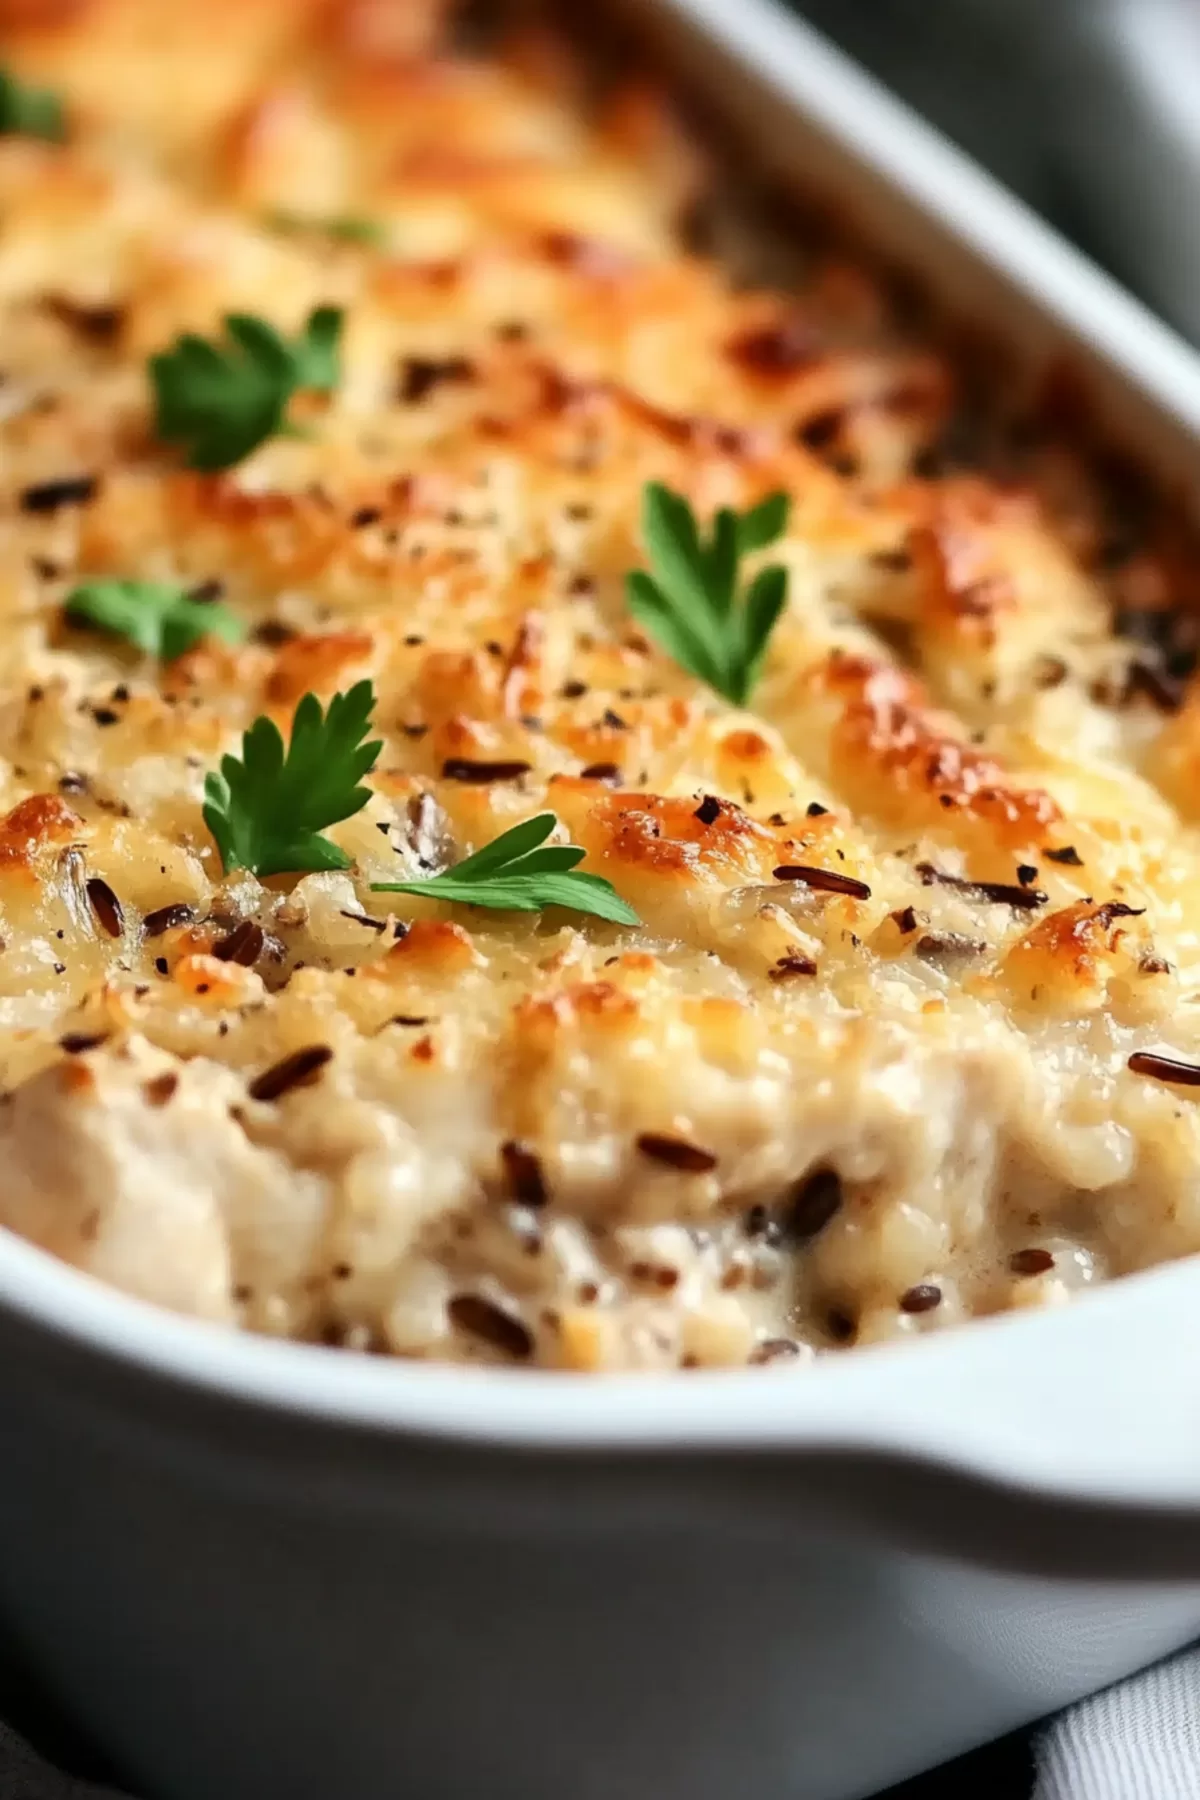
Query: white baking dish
[257, 1569]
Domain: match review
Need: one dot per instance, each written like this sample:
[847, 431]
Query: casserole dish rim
[914, 1404]
[874, 128]
[873, 1401]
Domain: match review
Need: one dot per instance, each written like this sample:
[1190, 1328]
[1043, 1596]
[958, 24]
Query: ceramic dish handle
[1067, 1442]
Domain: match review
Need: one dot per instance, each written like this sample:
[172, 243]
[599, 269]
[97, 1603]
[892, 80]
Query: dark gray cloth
[25, 1776]
[51, 1760]
[1002, 1772]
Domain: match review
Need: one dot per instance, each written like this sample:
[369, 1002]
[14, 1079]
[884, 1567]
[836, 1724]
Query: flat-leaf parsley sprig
[344, 228]
[267, 809]
[29, 111]
[690, 600]
[520, 872]
[158, 618]
[219, 401]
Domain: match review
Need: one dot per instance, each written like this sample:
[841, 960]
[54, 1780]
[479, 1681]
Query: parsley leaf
[266, 810]
[29, 111]
[221, 400]
[347, 228]
[160, 619]
[512, 874]
[689, 600]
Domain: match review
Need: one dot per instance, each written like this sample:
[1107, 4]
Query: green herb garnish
[162, 620]
[221, 400]
[690, 600]
[512, 874]
[267, 810]
[347, 228]
[29, 111]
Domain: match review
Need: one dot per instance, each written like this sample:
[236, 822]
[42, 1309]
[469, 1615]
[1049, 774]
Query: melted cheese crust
[776, 1119]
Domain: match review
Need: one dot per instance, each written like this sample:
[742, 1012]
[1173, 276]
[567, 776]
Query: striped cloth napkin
[1139, 1740]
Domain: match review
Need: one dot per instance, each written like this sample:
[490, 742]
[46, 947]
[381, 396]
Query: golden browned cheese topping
[863, 1069]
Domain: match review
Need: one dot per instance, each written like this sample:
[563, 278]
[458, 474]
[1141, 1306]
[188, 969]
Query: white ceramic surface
[257, 1569]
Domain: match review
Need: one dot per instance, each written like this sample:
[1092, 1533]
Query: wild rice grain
[48, 496]
[1164, 1068]
[243, 945]
[105, 906]
[994, 893]
[301, 1069]
[523, 1170]
[676, 1153]
[168, 918]
[483, 1319]
[1033, 1261]
[464, 768]
[824, 880]
[813, 1202]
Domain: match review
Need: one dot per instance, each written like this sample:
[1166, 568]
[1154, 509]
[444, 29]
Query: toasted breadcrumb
[794, 1110]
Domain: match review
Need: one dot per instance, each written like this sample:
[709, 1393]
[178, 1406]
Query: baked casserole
[356, 377]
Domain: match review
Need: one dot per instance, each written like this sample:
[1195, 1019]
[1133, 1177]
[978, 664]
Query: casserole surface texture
[779, 1117]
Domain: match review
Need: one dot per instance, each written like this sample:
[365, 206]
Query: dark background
[1086, 108]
